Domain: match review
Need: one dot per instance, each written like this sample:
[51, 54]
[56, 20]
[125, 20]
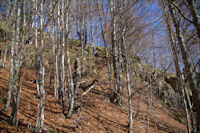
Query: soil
[97, 113]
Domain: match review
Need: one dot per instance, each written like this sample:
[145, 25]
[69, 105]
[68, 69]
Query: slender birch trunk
[130, 106]
[120, 64]
[23, 35]
[171, 38]
[55, 63]
[10, 86]
[51, 45]
[177, 65]
[3, 60]
[62, 86]
[57, 57]
[34, 17]
[36, 49]
[105, 44]
[41, 104]
[127, 62]
[114, 51]
[15, 103]
[60, 54]
[154, 51]
[69, 71]
[195, 15]
[185, 103]
[187, 64]
[92, 40]
[56, 78]
[50, 64]
[83, 28]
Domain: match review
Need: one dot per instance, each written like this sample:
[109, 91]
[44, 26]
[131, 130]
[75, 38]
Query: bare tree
[41, 104]
[114, 49]
[92, 36]
[127, 63]
[4, 55]
[186, 61]
[83, 35]
[36, 47]
[15, 102]
[69, 71]
[103, 32]
[11, 76]
[195, 15]
[175, 55]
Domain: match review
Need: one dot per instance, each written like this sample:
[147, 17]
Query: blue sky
[154, 12]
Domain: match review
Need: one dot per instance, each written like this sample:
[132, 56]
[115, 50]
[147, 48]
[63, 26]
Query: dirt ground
[97, 114]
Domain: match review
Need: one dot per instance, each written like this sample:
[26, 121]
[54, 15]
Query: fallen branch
[87, 90]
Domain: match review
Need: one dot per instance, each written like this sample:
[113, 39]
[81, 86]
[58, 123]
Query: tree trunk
[187, 64]
[5, 39]
[4, 55]
[105, 45]
[171, 38]
[114, 52]
[119, 68]
[185, 103]
[41, 104]
[198, 95]
[69, 71]
[130, 106]
[195, 16]
[56, 78]
[55, 63]
[36, 50]
[15, 103]
[57, 57]
[62, 82]
[77, 68]
[176, 61]
[92, 40]
[10, 86]
[83, 30]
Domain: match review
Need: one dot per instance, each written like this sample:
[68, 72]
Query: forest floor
[98, 114]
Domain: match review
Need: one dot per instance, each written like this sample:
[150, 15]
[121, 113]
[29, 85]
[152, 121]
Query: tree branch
[179, 10]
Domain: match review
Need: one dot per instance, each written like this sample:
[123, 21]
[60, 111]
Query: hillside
[99, 66]
[97, 113]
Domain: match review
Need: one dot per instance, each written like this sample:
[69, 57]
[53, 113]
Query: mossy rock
[173, 81]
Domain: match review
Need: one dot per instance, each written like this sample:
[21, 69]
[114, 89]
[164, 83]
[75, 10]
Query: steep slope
[98, 114]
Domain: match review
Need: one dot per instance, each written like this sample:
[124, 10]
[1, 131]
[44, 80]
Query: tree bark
[195, 15]
[36, 50]
[5, 40]
[41, 104]
[69, 71]
[187, 64]
[10, 86]
[176, 62]
[114, 51]
[171, 38]
[184, 92]
[15, 103]
[130, 107]
[62, 82]
[105, 44]
[83, 30]
[92, 39]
